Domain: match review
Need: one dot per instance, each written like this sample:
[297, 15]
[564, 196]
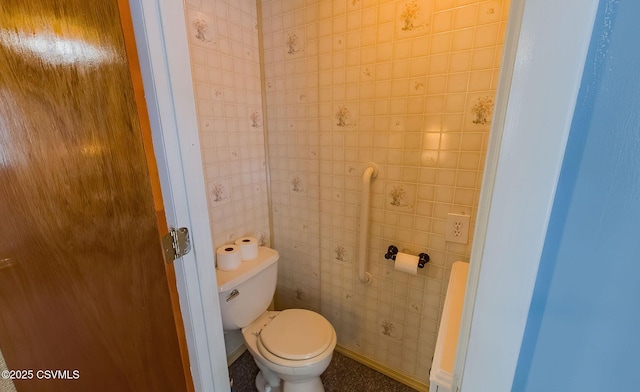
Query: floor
[6, 385]
[342, 375]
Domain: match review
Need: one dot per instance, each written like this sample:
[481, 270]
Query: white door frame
[161, 38]
[546, 46]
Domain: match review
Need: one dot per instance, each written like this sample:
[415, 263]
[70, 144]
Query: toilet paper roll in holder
[392, 251]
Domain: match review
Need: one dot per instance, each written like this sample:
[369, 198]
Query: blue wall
[583, 330]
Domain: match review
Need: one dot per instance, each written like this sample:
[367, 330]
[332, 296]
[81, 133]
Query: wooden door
[83, 286]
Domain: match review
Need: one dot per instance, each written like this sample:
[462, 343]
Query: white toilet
[292, 347]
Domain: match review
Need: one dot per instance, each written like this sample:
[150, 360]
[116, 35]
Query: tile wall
[408, 85]
[223, 47]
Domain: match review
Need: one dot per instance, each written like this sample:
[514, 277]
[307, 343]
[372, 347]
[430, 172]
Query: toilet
[293, 347]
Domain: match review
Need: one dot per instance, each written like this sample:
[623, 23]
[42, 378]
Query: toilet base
[313, 384]
[263, 386]
[285, 375]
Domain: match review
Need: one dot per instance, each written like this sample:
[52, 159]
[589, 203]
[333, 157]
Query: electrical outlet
[457, 228]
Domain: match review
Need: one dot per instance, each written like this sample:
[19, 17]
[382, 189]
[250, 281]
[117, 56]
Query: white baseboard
[231, 358]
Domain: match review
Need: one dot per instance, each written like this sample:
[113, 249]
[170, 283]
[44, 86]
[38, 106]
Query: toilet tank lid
[227, 280]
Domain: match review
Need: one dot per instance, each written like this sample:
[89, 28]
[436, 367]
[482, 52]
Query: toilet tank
[246, 292]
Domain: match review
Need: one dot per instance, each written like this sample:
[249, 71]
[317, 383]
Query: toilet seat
[296, 335]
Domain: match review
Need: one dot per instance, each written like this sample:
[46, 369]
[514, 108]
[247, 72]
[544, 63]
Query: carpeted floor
[342, 375]
[6, 385]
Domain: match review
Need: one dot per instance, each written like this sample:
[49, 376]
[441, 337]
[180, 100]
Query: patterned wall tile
[294, 43]
[223, 46]
[479, 111]
[343, 254]
[219, 192]
[393, 82]
[400, 197]
[201, 28]
[408, 84]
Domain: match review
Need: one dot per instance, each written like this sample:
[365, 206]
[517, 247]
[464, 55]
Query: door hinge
[176, 243]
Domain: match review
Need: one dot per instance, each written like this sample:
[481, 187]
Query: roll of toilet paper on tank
[228, 257]
[248, 248]
[407, 263]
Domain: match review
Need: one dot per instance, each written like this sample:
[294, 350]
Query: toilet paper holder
[392, 251]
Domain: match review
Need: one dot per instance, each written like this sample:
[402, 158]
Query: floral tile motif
[390, 328]
[417, 87]
[294, 43]
[411, 17]
[479, 111]
[397, 124]
[298, 184]
[398, 196]
[387, 327]
[201, 27]
[263, 239]
[401, 197]
[482, 110]
[344, 117]
[255, 119]
[219, 192]
[343, 253]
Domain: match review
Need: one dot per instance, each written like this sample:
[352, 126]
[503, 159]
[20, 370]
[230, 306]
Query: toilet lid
[297, 334]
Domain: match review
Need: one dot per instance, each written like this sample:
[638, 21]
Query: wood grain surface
[82, 283]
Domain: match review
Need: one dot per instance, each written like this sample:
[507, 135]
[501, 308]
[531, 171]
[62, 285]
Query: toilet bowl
[291, 347]
[294, 346]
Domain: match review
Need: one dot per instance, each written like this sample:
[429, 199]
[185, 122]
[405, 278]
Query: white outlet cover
[457, 229]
